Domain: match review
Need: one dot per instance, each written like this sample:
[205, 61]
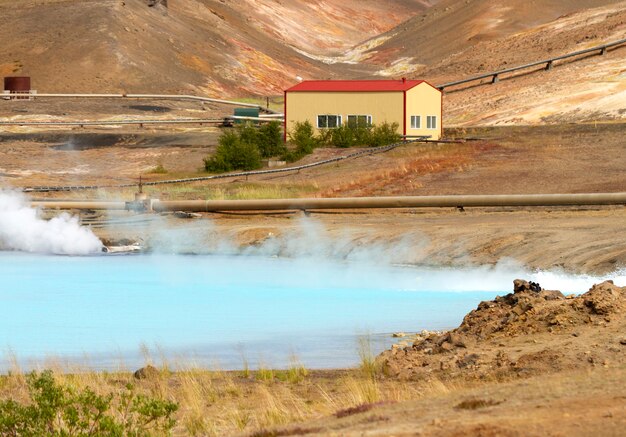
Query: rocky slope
[529, 331]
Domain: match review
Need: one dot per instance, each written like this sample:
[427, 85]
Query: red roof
[355, 85]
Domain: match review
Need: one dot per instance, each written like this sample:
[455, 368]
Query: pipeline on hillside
[506, 200]
[140, 96]
[549, 63]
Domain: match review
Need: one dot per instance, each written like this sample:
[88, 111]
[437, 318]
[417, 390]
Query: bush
[58, 410]
[304, 139]
[236, 151]
[372, 136]
[270, 140]
[384, 134]
[343, 137]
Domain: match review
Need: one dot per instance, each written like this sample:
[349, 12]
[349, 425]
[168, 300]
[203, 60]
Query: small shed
[415, 105]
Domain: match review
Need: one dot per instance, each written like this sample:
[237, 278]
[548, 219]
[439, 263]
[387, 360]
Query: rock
[186, 215]
[446, 346]
[520, 285]
[623, 341]
[457, 340]
[551, 295]
[148, 372]
[398, 335]
[468, 360]
[604, 299]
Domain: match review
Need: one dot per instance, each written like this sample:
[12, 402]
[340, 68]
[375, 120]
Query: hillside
[227, 48]
[453, 26]
[205, 46]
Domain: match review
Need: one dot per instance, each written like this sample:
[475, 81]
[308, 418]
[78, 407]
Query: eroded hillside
[205, 46]
[227, 48]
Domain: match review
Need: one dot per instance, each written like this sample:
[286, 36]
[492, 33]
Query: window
[359, 120]
[328, 121]
[431, 122]
[416, 121]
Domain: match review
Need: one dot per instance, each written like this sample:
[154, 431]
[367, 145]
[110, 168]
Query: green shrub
[343, 136]
[384, 134]
[304, 139]
[270, 140]
[58, 410]
[248, 133]
[352, 135]
[235, 152]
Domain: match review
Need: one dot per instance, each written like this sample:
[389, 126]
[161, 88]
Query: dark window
[328, 121]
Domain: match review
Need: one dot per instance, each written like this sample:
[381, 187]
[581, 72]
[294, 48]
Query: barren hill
[205, 46]
[227, 48]
[453, 26]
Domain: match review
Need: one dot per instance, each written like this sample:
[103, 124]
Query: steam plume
[22, 229]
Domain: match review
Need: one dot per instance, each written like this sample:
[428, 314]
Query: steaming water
[98, 310]
[22, 229]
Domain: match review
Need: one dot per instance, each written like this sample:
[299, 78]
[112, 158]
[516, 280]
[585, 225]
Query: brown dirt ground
[546, 159]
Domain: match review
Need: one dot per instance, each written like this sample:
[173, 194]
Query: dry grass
[406, 175]
[214, 402]
[203, 190]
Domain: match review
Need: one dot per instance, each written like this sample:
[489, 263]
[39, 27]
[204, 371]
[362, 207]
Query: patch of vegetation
[235, 152]
[303, 137]
[54, 409]
[370, 367]
[475, 404]
[244, 148]
[159, 169]
[362, 408]
[269, 139]
[264, 374]
[345, 136]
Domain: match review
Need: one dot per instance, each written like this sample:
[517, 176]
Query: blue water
[211, 310]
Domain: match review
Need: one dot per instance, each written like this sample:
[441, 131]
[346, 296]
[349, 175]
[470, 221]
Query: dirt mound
[524, 332]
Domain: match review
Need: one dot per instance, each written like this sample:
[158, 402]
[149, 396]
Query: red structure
[17, 85]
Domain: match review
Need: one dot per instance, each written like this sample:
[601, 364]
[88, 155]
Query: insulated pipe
[145, 96]
[392, 202]
[69, 204]
[356, 202]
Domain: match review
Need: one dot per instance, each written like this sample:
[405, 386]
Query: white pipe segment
[142, 96]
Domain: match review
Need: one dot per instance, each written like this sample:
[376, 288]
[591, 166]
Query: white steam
[22, 229]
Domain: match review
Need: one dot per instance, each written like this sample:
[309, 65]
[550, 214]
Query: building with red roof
[415, 105]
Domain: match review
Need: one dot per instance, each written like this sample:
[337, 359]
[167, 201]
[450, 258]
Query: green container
[246, 112]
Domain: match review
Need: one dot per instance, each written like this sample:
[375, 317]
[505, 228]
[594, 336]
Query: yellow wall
[423, 100]
[382, 106]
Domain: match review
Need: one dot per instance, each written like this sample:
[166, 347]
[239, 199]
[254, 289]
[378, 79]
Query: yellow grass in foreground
[215, 402]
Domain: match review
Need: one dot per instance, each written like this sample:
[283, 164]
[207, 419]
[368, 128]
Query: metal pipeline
[356, 202]
[144, 96]
[68, 204]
